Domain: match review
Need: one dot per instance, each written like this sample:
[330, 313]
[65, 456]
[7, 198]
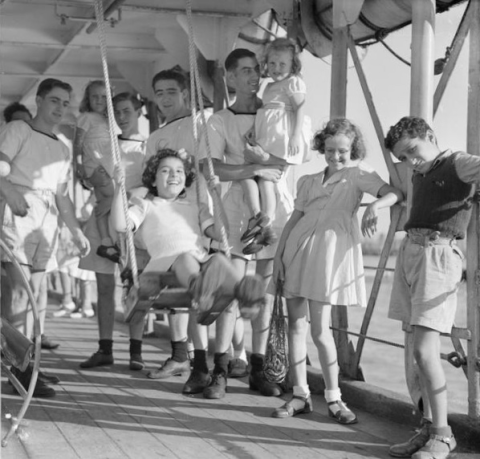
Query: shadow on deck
[112, 412]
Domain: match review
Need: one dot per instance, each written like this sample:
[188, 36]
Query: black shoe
[47, 344]
[170, 368]
[41, 389]
[237, 368]
[136, 362]
[217, 387]
[48, 379]
[196, 383]
[258, 382]
[98, 359]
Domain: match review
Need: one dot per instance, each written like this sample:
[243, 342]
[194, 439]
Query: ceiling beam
[70, 46]
[58, 76]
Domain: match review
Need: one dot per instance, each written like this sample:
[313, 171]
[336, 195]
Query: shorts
[33, 239]
[236, 209]
[426, 280]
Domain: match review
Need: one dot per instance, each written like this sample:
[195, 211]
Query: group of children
[317, 262]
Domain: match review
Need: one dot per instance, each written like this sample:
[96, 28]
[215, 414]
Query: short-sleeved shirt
[132, 153]
[175, 135]
[39, 161]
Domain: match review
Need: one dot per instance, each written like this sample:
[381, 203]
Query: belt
[425, 237]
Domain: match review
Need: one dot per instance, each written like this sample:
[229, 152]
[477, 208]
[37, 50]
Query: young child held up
[92, 152]
[281, 136]
[319, 262]
[173, 227]
[429, 268]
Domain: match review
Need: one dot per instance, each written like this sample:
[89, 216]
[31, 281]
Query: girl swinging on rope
[174, 226]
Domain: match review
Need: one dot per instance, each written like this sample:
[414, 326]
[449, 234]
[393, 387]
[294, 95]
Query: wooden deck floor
[114, 413]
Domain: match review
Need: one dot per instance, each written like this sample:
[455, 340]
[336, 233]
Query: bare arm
[78, 152]
[117, 214]
[12, 196]
[278, 268]
[298, 102]
[389, 195]
[67, 214]
[234, 172]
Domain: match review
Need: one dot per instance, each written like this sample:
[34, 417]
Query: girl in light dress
[319, 262]
[92, 152]
[282, 133]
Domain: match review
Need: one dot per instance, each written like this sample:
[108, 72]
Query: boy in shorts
[32, 196]
[429, 268]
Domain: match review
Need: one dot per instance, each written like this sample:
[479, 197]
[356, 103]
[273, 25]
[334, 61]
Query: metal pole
[423, 48]
[473, 234]
[421, 105]
[338, 108]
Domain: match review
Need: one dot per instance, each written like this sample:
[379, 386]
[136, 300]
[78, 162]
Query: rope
[378, 340]
[195, 94]
[99, 16]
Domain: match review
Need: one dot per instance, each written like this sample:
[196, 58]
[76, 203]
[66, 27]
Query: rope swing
[115, 149]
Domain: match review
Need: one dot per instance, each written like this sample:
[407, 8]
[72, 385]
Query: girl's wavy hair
[150, 172]
[345, 127]
[85, 103]
[283, 44]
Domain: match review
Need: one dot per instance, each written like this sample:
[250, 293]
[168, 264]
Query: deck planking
[114, 413]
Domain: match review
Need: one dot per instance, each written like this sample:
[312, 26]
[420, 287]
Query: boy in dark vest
[429, 268]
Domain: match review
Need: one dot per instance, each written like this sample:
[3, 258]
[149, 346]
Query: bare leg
[85, 295]
[427, 352]
[42, 301]
[252, 195]
[323, 339]
[268, 197]
[297, 339]
[66, 282]
[261, 324]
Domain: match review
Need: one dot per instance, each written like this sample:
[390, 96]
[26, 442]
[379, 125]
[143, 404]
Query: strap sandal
[437, 447]
[288, 410]
[343, 415]
[255, 225]
[266, 236]
[110, 252]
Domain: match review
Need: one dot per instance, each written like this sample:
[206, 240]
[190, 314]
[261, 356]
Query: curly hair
[345, 127]
[410, 126]
[150, 173]
[284, 44]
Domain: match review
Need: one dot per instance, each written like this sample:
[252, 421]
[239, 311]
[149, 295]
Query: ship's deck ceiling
[58, 38]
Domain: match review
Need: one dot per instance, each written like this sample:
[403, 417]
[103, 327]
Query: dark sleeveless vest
[440, 200]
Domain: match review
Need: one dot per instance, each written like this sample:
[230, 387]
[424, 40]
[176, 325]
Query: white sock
[301, 391]
[332, 395]
[242, 355]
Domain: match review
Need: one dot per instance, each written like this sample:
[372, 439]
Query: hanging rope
[99, 15]
[196, 95]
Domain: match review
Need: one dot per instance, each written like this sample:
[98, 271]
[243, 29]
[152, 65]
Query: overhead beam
[58, 76]
[72, 47]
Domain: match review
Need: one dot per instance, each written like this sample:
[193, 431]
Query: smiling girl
[319, 257]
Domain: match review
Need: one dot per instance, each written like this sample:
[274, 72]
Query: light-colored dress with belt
[323, 256]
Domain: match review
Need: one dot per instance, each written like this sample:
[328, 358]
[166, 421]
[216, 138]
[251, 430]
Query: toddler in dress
[281, 135]
[319, 258]
[94, 161]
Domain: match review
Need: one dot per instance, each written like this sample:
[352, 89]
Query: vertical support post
[220, 97]
[421, 105]
[423, 48]
[338, 89]
[338, 108]
[473, 234]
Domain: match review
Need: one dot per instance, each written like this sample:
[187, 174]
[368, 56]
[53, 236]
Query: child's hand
[369, 220]
[250, 137]
[278, 271]
[118, 174]
[81, 242]
[254, 154]
[294, 145]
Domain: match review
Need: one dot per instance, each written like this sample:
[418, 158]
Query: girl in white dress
[94, 160]
[319, 258]
[282, 133]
